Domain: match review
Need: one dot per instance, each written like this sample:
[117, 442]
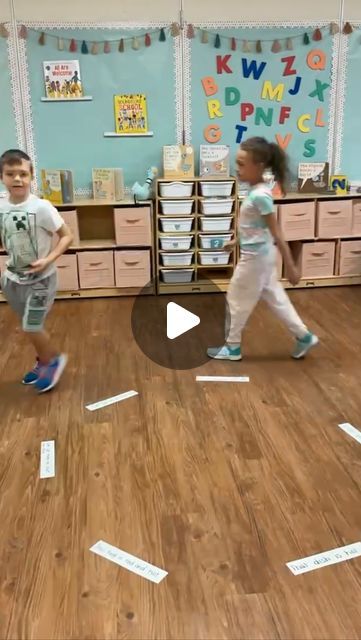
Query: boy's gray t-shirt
[26, 231]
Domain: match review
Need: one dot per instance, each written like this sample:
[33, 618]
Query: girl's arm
[231, 244]
[292, 271]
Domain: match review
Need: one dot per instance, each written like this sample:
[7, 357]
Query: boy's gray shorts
[31, 302]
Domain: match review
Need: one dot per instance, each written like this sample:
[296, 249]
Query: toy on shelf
[143, 191]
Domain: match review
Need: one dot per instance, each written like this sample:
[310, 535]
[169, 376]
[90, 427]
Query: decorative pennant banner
[287, 43]
[3, 31]
[105, 46]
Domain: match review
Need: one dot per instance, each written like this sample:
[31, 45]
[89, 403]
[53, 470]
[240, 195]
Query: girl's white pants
[255, 278]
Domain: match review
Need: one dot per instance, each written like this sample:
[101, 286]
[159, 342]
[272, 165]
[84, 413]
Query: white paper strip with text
[222, 379]
[109, 401]
[127, 561]
[324, 559]
[47, 459]
[351, 431]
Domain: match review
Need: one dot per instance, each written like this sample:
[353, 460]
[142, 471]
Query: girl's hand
[228, 246]
[292, 272]
[293, 275]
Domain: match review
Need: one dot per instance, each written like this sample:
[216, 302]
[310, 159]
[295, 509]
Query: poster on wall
[62, 79]
[130, 113]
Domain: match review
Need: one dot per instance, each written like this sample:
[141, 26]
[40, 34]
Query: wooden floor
[220, 485]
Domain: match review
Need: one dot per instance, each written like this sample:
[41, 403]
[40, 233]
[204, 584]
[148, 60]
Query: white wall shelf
[82, 99]
[113, 134]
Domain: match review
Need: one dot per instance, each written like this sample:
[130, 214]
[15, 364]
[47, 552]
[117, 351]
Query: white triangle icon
[179, 320]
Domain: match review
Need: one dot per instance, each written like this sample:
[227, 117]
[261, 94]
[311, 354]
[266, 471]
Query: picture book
[313, 177]
[108, 184]
[214, 161]
[62, 79]
[339, 184]
[67, 186]
[57, 185]
[178, 161]
[131, 113]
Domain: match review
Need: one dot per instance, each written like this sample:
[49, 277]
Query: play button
[179, 320]
[175, 330]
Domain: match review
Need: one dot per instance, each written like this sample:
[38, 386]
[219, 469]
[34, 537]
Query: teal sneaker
[303, 346]
[225, 353]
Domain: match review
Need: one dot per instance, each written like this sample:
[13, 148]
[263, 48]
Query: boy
[29, 282]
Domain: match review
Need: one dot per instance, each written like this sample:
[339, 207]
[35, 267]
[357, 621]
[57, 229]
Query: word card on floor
[47, 459]
[112, 400]
[324, 559]
[222, 379]
[351, 431]
[127, 561]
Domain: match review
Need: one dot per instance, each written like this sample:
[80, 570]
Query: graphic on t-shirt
[18, 230]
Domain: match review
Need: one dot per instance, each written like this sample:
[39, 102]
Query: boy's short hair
[12, 157]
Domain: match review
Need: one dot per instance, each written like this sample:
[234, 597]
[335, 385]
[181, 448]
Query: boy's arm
[65, 240]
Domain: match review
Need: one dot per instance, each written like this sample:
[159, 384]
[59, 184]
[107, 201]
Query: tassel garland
[276, 47]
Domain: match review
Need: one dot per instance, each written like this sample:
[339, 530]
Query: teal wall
[70, 134]
[7, 120]
[203, 62]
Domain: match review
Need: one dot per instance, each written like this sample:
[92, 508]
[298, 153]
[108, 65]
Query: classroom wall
[242, 108]
[80, 127]
[260, 10]
[4, 10]
[194, 10]
[71, 134]
[104, 11]
[352, 10]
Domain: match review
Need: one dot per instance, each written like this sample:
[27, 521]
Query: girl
[255, 276]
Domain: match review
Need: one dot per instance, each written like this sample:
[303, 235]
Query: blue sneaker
[32, 376]
[303, 346]
[50, 374]
[225, 353]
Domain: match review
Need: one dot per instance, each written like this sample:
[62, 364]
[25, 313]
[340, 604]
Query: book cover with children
[214, 161]
[62, 79]
[131, 113]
